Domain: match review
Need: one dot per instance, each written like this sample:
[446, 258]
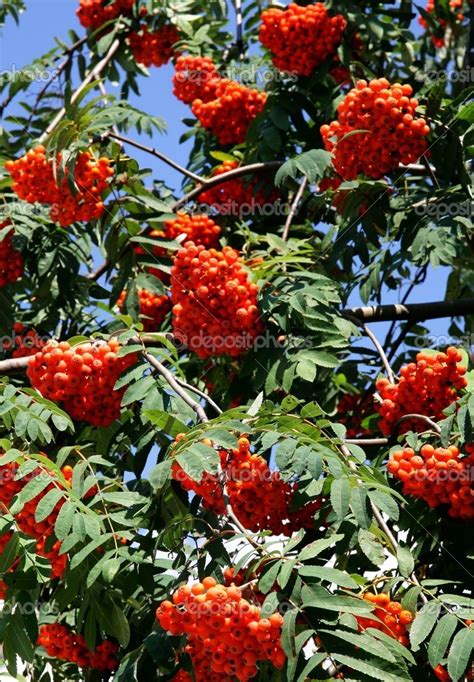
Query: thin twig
[381, 352]
[412, 311]
[171, 380]
[91, 76]
[294, 208]
[366, 441]
[380, 520]
[419, 417]
[203, 395]
[215, 180]
[157, 154]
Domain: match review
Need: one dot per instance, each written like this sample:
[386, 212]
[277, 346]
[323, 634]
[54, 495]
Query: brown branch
[171, 380]
[91, 76]
[419, 417]
[412, 311]
[294, 208]
[215, 180]
[15, 364]
[154, 152]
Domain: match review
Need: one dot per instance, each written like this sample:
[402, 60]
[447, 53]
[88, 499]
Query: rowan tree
[214, 466]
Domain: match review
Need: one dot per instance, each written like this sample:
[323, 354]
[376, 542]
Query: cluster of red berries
[214, 304]
[195, 78]
[34, 180]
[199, 229]
[11, 260]
[153, 308]
[229, 197]
[229, 115]
[248, 481]
[94, 13]
[437, 476]
[82, 378]
[222, 106]
[25, 341]
[443, 675]
[301, 38]
[60, 642]
[352, 409]
[388, 132]
[388, 617]
[454, 5]
[43, 530]
[426, 387]
[154, 48]
[227, 636]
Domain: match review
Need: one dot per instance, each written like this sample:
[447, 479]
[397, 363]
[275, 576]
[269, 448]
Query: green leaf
[340, 497]
[440, 638]
[118, 625]
[424, 622]
[288, 633]
[47, 503]
[371, 547]
[460, 653]
[318, 546]
[406, 563]
[332, 575]
[9, 554]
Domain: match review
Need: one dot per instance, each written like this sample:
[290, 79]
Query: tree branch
[157, 154]
[171, 380]
[412, 311]
[293, 208]
[96, 71]
[215, 180]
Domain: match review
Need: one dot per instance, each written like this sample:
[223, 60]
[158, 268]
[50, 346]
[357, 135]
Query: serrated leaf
[440, 638]
[424, 622]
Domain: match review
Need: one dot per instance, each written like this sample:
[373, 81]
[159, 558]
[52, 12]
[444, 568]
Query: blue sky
[45, 19]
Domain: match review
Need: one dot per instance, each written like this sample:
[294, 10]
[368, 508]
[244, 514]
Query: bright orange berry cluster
[227, 635]
[215, 306]
[425, 387]
[154, 48]
[301, 38]
[388, 617]
[24, 342]
[390, 133]
[60, 642]
[199, 229]
[11, 260]
[229, 115]
[228, 197]
[195, 78]
[94, 13]
[34, 181]
[153, 308]
[82, 378]
[43, 530]
[222, 106]
[437, 476]
[248, 481]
